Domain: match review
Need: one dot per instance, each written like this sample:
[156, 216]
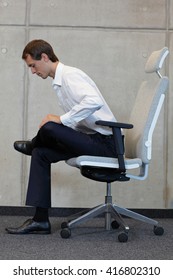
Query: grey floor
[87, 242]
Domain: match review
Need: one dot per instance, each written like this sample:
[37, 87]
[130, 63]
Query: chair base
[110, 211]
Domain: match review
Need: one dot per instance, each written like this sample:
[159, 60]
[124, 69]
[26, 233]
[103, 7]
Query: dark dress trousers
[56, 142]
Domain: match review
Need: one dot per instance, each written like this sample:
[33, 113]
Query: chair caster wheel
[123, 237]
[115, 224]
[65, 233]
[158, 230]
[64, 225]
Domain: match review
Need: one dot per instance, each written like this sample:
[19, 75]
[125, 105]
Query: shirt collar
[57, 81]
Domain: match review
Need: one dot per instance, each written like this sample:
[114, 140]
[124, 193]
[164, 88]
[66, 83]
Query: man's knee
[47, 132]
[41, 154]
[47, 128]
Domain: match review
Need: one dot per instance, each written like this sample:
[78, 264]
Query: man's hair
[35, 49]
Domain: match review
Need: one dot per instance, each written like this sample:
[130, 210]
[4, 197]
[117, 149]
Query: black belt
[106, 136]
[99, 135]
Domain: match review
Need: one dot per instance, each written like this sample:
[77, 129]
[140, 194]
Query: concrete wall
[110, 40]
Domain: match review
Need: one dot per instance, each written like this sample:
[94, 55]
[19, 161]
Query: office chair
[136, 154]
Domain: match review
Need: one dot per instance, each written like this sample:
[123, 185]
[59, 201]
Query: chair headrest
[156, 59]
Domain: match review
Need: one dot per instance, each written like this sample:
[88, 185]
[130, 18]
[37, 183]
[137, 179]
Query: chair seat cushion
[105, 162]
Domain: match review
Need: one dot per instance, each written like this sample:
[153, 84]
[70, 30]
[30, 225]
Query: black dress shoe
[24, 147]
[30, 226]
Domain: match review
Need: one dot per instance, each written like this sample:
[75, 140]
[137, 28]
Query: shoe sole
[31, 232]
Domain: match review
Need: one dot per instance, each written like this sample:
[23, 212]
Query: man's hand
[50, 118]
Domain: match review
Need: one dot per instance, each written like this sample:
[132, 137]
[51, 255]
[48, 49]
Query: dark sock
[41, 214]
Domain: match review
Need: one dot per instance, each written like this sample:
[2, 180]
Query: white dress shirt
[81, 101]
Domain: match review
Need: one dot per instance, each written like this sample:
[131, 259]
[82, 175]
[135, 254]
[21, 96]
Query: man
[59, 138]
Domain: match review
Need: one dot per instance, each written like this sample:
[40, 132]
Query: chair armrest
[118, 139]
[115, 124]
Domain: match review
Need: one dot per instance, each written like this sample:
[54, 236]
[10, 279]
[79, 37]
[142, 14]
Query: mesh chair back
[138, 141]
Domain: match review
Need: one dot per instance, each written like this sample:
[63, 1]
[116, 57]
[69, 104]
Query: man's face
[39, 67]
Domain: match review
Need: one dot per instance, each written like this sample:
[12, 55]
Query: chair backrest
[147, 106]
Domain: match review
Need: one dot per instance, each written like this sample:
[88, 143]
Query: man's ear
[45, 57]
